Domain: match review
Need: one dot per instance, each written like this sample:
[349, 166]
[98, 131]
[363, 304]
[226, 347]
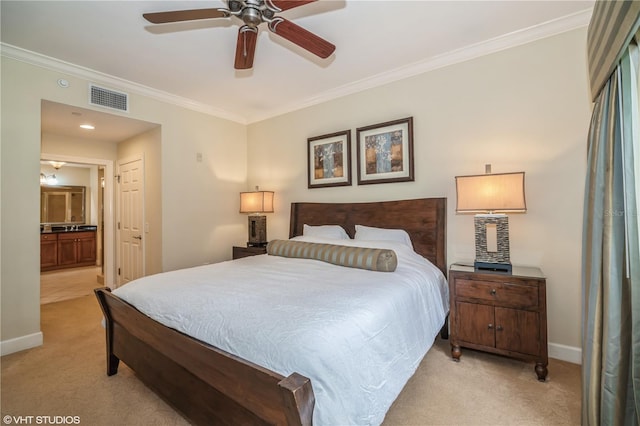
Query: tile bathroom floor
[65, 284]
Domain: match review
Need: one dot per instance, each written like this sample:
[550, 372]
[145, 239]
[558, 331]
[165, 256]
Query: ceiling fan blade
[184, 15]
[246, 47]
[303, 38]
[280, 5]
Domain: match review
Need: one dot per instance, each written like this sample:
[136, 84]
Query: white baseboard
[20, 343]
[565, 353]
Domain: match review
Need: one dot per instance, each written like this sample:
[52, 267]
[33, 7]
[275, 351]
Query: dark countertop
[62, 228]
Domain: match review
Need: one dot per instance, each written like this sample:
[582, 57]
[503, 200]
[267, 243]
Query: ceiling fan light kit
[253, 13]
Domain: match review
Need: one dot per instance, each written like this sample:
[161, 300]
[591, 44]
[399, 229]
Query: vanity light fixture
[48, 180]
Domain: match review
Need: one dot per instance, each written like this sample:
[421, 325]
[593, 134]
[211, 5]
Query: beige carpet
[66, 377]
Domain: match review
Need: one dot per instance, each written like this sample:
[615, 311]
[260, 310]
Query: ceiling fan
[253, 13]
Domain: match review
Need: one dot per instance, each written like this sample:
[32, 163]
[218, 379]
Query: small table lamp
[490, 196]
[255, 203]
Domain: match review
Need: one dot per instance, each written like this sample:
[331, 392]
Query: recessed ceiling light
[87, 126]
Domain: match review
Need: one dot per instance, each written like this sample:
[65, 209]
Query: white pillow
[382, 234]
[335, 232]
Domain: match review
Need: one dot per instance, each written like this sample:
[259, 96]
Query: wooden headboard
[424, 219]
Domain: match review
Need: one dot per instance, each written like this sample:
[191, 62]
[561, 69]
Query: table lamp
[490, 196]
[256, 203]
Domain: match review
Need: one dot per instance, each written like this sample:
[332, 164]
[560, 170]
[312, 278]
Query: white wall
[199, 199]
[522, 109]
[77, 147]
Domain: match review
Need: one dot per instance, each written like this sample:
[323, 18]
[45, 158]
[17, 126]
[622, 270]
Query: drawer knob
[490, 326]
[493, 292]
[499, 328]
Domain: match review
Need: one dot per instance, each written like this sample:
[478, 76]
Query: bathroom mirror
[62, 204]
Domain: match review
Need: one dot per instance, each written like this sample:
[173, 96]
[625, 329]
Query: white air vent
[108, 98]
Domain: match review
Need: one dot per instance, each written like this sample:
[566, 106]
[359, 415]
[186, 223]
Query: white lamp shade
[256, 202]
[500, 192]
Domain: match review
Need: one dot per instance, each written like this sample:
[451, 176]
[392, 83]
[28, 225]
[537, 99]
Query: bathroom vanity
[65, 240]
[68, 249]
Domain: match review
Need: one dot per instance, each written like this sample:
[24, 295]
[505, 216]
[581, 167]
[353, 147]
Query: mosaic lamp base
[492, 242]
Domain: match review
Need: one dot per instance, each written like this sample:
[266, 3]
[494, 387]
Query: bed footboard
[208, 385]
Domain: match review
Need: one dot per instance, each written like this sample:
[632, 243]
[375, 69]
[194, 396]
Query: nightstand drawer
[503, 294]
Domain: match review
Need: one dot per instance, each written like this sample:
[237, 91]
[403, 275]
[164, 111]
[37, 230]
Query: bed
[213, 385]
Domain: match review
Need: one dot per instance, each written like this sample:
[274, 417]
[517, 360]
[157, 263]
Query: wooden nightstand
[498, 312]
[239, 252]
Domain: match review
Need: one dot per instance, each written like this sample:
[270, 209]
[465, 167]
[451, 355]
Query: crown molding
[516, 38]
[58, 65]
[503, 42]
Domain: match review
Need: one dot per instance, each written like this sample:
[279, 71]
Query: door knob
[137, 237]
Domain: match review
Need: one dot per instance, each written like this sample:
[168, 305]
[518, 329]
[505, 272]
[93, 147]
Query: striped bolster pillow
[372, 259]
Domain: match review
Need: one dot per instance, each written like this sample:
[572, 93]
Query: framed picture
[385, 152]
[329, 160]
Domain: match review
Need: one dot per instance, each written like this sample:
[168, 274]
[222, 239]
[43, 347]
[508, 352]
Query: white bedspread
[358, 335]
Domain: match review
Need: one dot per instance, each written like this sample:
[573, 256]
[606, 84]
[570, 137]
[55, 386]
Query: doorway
[86, 265]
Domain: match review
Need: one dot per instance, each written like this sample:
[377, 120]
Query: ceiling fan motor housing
[251, 16]
[250, 11]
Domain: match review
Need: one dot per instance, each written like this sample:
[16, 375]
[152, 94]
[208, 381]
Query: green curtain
[613, 25]
[611, 256]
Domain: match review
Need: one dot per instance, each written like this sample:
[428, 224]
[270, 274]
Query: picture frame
[385, 152]
[329, 160]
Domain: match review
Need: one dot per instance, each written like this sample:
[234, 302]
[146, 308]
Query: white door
[130, 219]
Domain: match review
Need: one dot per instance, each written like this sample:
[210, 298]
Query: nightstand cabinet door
[475, 324]
[518, 331]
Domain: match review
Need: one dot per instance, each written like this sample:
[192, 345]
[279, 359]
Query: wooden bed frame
[211, 386]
